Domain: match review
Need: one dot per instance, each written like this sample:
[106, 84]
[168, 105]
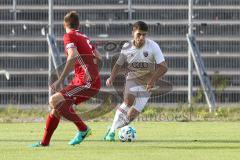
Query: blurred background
[24, 25]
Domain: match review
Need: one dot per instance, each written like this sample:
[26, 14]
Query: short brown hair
[140, 25]
[71, 20]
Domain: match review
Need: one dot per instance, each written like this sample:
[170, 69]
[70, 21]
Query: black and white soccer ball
[127, 134]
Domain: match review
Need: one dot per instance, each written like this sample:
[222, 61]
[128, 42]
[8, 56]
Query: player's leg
[83, 130]
[52, 122]
[134, 111]
[64, 107]
[125, 115]
[140, 102]
[120, 119]
[80, 94]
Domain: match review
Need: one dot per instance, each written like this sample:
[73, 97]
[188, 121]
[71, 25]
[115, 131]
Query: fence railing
[24, 48]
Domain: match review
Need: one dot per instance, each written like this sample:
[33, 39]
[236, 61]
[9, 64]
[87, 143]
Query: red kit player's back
[85, 69]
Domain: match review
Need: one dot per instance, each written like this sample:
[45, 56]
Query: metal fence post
[50, 30]
[190, 83]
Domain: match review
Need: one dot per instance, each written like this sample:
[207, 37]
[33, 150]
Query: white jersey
[140, 61]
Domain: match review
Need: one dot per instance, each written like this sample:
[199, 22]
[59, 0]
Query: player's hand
[57, 86]
[150, 85]
[109, 82]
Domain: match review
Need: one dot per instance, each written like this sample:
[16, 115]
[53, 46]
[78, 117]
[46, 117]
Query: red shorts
[81, 93]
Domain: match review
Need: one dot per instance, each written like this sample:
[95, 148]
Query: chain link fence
[24, 49]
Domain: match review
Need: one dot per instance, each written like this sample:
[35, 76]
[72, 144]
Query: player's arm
[97, 54]
[160, 70]
[114, 73]
[97, 57]
[161, 67]
[72, 54]
[116, 69]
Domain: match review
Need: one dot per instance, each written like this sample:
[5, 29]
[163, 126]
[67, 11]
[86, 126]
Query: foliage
[181, 113]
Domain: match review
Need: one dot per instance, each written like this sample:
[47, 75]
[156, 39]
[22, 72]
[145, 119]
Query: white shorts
[139, 92]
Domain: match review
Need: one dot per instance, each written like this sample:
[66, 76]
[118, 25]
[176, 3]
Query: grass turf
[155, 141]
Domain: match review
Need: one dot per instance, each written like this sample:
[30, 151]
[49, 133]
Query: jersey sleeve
[69, 42]
[157, 53]
[122, 57]
[94, 46]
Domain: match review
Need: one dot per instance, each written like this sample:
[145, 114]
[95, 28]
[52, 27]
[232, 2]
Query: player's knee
[54, 101]
[132, 115]
[55, 113]
[129, 99]
[129, 102]
[51, 102]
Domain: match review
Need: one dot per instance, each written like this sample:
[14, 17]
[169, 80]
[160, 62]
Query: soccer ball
[127, 134]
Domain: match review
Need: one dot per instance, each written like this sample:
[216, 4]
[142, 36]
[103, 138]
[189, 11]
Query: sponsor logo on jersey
[139, 65]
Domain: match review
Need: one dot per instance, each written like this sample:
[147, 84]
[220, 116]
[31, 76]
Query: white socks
[120, 118]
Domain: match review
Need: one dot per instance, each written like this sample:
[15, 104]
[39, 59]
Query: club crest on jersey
[145, 54]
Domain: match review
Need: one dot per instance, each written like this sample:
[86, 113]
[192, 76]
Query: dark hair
[71, 19]
[140, 25]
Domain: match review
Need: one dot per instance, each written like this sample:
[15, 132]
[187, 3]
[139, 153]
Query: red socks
[65, 109]
[51, 124]
[80, 124]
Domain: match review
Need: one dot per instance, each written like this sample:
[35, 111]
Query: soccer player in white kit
[145, 64]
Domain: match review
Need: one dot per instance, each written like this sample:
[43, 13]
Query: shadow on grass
[138, 141]
[157, 144]
[190, 141]
[197, 147]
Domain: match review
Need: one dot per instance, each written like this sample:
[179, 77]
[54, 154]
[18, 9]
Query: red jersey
[84, 69]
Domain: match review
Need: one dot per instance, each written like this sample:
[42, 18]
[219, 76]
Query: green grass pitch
[155, 141]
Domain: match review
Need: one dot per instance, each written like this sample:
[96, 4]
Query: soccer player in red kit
[82, 57]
